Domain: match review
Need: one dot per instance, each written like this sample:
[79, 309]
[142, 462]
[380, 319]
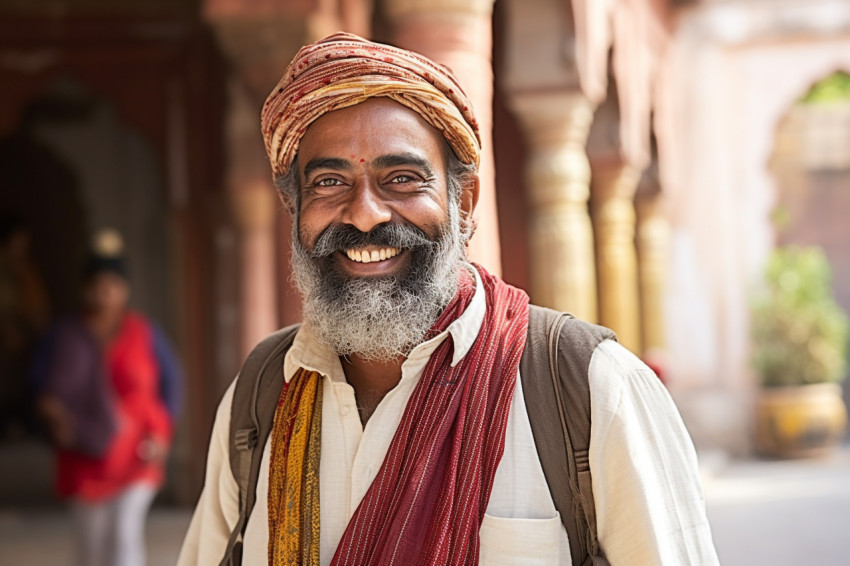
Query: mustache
[345, 236]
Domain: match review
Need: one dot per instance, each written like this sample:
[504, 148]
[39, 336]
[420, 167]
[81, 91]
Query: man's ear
[288, 202]
[468, 201]
[284, 187]
[469, 195]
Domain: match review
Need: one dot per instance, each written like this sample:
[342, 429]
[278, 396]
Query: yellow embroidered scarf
[294, 474]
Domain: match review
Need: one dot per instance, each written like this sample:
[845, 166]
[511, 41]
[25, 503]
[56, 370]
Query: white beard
[378, 318]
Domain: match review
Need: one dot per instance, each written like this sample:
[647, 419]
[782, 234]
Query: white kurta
[649, 504]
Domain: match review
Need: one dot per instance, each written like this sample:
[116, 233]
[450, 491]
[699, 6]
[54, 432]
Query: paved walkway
[782, 513]
[43, 537]
[763, 513]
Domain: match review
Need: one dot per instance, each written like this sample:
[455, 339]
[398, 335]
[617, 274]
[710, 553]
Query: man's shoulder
[271, 345]
[592, 345]
[610, 355]
[541, 310]
[276, 338]
[574, 332]
[616, 373]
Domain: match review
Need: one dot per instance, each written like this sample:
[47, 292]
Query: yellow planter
[798, 422]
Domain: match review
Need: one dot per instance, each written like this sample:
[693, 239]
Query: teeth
[363, 256]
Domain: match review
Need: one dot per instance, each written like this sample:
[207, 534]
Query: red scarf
[427, 502]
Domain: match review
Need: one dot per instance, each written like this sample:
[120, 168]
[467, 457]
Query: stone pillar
[458, 33]
[258, 40]
[614, 186]
[254, 209]
[556, 126]
[254, 206]
[653, 238]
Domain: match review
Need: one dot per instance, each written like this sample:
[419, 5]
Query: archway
[72, 167]
[811, 168]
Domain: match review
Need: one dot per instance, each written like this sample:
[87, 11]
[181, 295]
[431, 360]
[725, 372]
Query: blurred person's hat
[106, 254]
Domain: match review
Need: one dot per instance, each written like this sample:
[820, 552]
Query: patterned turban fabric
[343, 70]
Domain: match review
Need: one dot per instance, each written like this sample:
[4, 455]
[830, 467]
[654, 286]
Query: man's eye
[327, 182]
[401, 179]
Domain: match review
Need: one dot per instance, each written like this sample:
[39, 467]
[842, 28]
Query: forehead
[376, 127]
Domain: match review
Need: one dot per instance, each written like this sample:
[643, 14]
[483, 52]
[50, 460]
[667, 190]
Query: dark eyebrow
[402, 159]
[326, 163]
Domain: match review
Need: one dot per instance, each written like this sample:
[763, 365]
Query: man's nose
[366, 208]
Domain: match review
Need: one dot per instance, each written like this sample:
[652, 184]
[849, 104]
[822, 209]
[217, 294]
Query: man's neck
[371, 381]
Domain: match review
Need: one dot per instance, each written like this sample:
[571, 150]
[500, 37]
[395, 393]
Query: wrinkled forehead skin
[343, 70]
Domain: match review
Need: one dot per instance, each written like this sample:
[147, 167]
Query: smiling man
[398, 431]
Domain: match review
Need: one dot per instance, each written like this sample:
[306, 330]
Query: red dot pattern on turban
[343, 70]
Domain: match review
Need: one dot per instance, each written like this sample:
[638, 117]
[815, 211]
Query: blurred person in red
[108, 379]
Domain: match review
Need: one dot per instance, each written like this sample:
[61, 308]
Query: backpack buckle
[245, 439]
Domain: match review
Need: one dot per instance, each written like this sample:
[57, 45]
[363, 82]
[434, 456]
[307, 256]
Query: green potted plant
[799, 336]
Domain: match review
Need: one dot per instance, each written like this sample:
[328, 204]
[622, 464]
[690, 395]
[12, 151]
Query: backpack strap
[554, 373]
[255, 399]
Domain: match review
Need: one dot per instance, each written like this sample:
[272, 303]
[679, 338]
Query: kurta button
[344, 411]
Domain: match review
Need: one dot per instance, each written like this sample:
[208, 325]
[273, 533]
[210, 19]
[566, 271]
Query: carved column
[653, 237]
[458, 33]
[556, 126]
[258, 39]
[254, 206]
[614, 186]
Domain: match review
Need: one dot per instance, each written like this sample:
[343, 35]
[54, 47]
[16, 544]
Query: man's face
[377, 242]
[367, 165]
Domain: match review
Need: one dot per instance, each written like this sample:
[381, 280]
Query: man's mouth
[371, 254]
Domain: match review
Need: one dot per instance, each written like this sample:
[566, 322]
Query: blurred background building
[635, 155]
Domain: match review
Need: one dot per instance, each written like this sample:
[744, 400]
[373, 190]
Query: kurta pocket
[519, 542]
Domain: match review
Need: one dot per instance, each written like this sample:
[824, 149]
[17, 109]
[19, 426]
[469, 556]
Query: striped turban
[343, 70]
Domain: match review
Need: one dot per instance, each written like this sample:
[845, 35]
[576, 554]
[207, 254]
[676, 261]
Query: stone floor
[42, 537]
[782, 513]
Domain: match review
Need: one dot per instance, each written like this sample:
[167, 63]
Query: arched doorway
[144, 153]
[811, 168]
[71, 168]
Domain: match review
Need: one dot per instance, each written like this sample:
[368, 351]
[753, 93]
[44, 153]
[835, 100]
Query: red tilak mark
[362, 160]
